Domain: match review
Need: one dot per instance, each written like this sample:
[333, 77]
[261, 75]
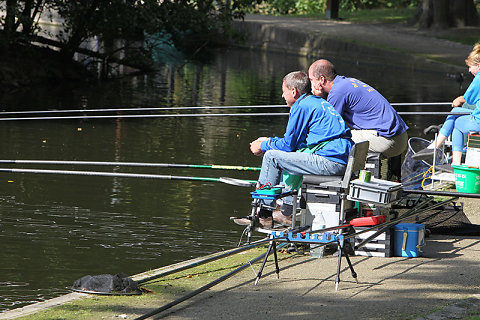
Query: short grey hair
[298, 80]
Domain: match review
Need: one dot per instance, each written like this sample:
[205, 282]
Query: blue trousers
[458, 126]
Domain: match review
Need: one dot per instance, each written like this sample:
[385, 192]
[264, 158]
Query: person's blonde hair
[474, 56]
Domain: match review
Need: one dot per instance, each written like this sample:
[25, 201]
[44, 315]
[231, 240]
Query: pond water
[55, 229]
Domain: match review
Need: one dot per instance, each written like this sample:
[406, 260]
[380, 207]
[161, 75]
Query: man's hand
[255, 146]
[458, 102]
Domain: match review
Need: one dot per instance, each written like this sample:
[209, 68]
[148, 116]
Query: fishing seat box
[409, 239]
[322, 203]
[380, 246]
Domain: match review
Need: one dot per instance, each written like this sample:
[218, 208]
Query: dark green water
[55, 229]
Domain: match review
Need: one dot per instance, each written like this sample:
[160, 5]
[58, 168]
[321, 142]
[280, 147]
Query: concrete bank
[317, 38]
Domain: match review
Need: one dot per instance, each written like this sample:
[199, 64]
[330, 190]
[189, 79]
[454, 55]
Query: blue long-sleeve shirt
[312, 120]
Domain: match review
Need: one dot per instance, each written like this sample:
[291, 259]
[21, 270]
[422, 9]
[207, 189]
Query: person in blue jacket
[460, 125]
[316, 141]
[364, 109]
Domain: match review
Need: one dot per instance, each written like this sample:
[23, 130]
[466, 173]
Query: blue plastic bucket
[408, 240]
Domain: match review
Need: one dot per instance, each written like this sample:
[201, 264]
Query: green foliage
[187, 24]
[369, 4]
[309, 7]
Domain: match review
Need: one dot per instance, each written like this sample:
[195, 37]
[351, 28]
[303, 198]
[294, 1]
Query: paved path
[441, 285]
[395, 38]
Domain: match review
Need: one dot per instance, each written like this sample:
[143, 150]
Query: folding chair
[356, 162]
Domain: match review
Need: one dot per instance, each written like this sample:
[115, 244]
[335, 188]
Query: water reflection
[55, 229]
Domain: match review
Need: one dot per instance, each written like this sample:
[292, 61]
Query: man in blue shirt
[315, 128]
[364, 109]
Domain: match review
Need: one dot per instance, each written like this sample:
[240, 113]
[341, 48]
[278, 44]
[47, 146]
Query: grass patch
[162, 291]
[393, 15]
[464, 38]
[385, 15]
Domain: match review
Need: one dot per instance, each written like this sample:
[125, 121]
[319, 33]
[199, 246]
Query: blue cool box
[408, 240]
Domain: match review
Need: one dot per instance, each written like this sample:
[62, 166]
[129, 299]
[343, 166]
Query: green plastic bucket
[467, 179]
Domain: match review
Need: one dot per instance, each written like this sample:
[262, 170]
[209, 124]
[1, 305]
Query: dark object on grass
[107, 284]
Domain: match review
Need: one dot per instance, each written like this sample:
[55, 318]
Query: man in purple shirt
[364, 109]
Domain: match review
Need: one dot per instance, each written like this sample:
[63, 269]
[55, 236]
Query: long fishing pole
[443, 193]
[399, 104]
[132, 164]
[239, 182]
[197, 262]
[146, 116]
[139, 109]
[83, 110]
[203, 288]
[186, 115]
[381, 228]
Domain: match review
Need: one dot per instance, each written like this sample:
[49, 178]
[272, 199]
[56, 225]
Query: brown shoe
[242, 221]
[266, 223]
[279, 217]
[260, 222]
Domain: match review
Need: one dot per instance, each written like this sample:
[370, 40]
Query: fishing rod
[284, 238]
[132, 164]
[443, 193]
[185, 115]
[139, 109]
[83, 110]
[238, 182]
[146, 116]
[198, 262]
[432, 113]
[421, 104]
[204, 288]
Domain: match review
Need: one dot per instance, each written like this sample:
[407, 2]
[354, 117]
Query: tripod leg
[277, 269]
[337, 279]
[259, 274]
[354, 274]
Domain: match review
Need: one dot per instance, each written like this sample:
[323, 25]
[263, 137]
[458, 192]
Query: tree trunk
[9, 27]
[442, 14]
[465, 10]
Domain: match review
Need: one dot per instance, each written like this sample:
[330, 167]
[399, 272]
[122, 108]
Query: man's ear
[296, 93]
